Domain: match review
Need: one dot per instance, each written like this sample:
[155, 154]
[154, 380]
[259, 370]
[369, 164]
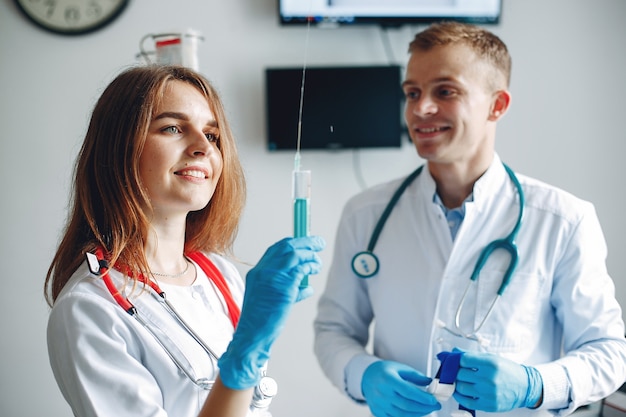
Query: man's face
[449, 107]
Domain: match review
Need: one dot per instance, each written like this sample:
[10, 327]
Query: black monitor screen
[343, 107]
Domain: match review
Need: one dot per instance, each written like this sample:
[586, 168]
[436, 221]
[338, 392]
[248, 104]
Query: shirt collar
[460, 209]
[484, 187]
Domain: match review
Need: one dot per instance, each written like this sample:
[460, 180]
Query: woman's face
[181, 163]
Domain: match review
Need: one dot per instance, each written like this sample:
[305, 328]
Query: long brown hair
[107, 194]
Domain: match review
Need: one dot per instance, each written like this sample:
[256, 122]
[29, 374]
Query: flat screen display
[387, 12]
[343, 107]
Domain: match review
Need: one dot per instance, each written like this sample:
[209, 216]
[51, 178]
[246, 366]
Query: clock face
[71, 17]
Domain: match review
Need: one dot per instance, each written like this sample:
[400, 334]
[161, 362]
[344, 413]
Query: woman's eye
[212, 137]
[171, 129]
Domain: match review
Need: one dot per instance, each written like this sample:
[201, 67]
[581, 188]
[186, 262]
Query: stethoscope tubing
[203, 383]
[264, 391]
[160, 296]
[365, 264]
[507, 244]
[390, 206]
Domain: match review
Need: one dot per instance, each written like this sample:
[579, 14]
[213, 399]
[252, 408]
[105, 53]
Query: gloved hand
[271, 289]
[490, 383]
[392, 389]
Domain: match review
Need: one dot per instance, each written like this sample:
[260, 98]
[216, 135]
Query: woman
[158, 193]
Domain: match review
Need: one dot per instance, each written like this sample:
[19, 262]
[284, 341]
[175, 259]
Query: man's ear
[500, 105]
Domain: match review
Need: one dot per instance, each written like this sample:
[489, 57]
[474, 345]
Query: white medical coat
[560, 297]
[107, 364]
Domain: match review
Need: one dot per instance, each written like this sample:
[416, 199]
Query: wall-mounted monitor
[387, 12]
[343, 107]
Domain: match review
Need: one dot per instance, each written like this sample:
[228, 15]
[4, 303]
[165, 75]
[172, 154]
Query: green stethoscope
[365, 264]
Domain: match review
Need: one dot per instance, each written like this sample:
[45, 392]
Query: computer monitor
[343, 107]
[387, 12]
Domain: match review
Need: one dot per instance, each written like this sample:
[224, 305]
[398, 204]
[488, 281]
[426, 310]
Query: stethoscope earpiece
[365, 264]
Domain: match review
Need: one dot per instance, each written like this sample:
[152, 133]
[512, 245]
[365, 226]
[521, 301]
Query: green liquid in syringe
[301, 224]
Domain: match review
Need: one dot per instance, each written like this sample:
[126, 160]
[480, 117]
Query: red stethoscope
[265, 390]
[99, 265]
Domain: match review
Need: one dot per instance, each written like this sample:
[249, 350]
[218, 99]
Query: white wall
[566, 127]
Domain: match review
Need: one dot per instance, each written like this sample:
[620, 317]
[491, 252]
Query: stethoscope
[365, 264]
[99, 266]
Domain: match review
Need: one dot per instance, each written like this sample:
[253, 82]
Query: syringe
[301, 179]
[301, 204]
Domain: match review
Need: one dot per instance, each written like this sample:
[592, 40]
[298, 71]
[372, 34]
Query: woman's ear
[500, 105]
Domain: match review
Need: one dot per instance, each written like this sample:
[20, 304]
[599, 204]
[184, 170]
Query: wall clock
[71, 17]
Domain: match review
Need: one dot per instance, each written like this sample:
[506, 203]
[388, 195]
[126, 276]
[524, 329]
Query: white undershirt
[203, 307]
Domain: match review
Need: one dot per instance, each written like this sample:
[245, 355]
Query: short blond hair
[487, 46]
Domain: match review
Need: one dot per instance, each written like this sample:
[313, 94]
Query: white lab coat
[107, 364]
[560, 296]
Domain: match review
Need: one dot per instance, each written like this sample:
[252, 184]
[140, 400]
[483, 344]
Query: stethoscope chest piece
[365, 264]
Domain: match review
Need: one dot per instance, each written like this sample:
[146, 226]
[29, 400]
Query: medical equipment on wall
[172, 48]
[365, 264]
[265, 390]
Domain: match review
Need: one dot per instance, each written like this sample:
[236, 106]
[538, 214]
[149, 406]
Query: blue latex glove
[490, 383]
[392, 389]
[272, 287]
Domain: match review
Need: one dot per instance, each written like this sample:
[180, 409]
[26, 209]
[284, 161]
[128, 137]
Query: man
[551, 341]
